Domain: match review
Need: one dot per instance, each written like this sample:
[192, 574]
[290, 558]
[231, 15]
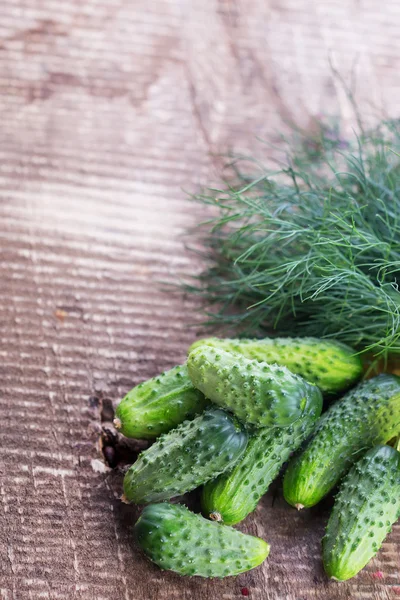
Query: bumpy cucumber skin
[159, 404]
[365, 509]
[258, 393]
[366, 416]
[233, 495]
[186, 457]
[331, 365]
[181, 541]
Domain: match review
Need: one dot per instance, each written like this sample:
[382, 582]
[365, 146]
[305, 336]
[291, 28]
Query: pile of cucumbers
[228, 420]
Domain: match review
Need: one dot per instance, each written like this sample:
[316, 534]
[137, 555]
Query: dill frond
[313, 249]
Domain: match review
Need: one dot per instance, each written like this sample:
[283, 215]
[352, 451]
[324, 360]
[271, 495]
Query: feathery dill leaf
[313, 249]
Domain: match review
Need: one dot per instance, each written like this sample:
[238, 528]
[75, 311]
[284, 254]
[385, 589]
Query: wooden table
[108, 109]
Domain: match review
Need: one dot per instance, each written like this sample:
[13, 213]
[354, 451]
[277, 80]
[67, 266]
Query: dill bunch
[312, 249]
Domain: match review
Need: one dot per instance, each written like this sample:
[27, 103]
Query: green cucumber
[181, 541]
[186, 457]
[366, 416]
[331, 365]
[233, 495]
[366, 507]
[258, 393]
[158, 405]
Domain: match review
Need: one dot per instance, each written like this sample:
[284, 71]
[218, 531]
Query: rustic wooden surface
[108, 109]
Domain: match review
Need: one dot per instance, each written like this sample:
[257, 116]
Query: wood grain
[108, 110]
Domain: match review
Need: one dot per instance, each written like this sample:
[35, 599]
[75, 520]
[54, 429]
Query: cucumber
[181, 541]
[186, 457]
[258, 393]
[366, 507]
[366, 416]
[331, 365]
[158, 405]
[233, 495]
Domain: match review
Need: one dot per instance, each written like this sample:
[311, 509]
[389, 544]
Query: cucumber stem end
[215, 516]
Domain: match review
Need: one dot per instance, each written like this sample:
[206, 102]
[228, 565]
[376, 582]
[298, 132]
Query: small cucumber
[258, 393]
[365, 509]
[186, 457]
[233, 495]
[181, 541]
[366, 416]
[158, 405]
[331, 365]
